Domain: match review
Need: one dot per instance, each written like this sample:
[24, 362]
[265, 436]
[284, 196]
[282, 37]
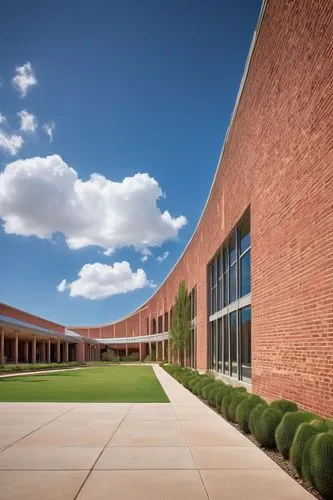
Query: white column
[49, 351]
[163, 349]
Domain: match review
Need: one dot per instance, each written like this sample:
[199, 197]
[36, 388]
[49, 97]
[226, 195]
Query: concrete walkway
[177, 450]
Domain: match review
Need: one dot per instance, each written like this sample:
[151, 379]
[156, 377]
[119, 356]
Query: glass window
[219, 294]
[225, 259]
[245, 274]
[225, 289]
[232, 248]
[213, 341]
[233, 343]
[233, 283]
[225, 345]
[245, 341]
[219, 345]
[244, 234]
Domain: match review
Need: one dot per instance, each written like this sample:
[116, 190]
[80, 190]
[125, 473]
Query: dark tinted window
[245, 271]
[233, 283]
[245, 336]
[244, 234]
[233, 343]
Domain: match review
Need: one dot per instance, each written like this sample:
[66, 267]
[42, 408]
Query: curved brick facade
[277, 160]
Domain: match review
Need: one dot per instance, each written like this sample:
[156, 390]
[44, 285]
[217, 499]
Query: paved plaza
[141, 451]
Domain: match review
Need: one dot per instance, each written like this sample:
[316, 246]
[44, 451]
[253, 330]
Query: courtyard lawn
[113, 384]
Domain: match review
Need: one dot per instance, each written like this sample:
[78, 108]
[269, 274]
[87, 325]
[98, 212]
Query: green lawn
[114, 384]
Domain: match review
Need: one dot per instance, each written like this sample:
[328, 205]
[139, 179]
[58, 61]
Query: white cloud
[44, 196]
[146, 253]
[10, 143]
[3, 119]
[24, 79]
[162, 257]
[28, 121]
[99, 281]
[48, 129]
[62, 286]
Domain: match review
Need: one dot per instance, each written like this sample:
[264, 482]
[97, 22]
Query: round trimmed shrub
[203, 382]
[284, 405]
[287, 428]
[226, 402]
[255, 415]
[321, 463]
[244, 409]
[266, 426]
[220, 395]
[306, 460]
[206, 390]
[237, 398]
[304, 432]
[193, 381]
[212, 393]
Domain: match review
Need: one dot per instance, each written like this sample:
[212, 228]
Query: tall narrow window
[245, 255]
[225, 345]
[233, 343]
[225, 277]
[213, 341]
[219, 281]
[219, 344]
[245, 348]
[233, 268]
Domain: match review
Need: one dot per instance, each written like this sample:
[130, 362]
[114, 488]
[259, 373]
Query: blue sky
[131, 88]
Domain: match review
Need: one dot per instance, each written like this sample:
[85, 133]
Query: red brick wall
[14, 313]
[278, 160]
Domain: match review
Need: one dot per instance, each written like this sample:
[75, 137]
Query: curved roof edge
[226, 136]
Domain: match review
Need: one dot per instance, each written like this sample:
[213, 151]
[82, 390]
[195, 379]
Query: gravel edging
[274, 454]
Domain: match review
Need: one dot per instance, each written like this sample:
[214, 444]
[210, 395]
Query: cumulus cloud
[48, 129]
[99, 281]
[44, 196]
[3, 119]
[162, 257]
[28, 121]
[24, 78]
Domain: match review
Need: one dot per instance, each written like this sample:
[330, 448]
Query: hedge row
[300, 436]
[26, 367]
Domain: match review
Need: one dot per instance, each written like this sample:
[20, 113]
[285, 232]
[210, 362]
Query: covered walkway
[23, 342]
[179, 450]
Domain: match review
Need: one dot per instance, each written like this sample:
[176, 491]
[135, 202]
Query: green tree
[181, 323]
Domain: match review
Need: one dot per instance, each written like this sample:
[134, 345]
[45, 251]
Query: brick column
[34, 345]
[66, 352]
